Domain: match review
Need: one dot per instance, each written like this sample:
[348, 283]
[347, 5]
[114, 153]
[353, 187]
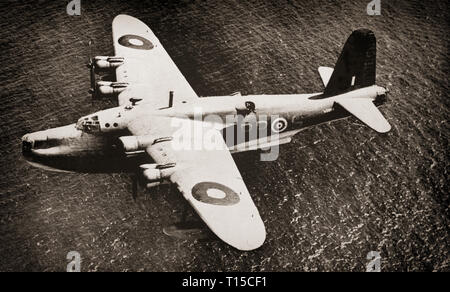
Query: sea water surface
[337, 192]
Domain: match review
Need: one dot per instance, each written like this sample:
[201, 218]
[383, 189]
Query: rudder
[356, 65]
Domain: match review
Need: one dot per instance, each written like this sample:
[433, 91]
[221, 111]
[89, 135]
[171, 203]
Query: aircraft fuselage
[70, 148]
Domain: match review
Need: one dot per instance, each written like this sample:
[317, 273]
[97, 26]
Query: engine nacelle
[156, 174]
[152, 175]
[107, 62]
[132, 144]
[111, 88]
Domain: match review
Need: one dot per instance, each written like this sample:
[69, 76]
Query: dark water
[337, 191]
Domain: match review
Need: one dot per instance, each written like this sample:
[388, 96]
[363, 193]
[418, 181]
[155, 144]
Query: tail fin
[355, 67]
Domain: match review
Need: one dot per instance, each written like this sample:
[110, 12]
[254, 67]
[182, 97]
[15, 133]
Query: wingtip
[254, 238]
[124, 23]
[118, 16]
[382, 126]
[386, 128]
[254, 244]
[125, 18]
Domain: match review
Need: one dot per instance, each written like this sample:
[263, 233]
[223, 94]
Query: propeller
[138, 182]
[91, 66]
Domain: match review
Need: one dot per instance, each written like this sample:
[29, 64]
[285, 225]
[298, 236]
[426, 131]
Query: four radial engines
[116, 119]
[105, 64]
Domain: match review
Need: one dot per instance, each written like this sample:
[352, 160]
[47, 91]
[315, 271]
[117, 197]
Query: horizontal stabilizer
[325, 74]
[366, 111]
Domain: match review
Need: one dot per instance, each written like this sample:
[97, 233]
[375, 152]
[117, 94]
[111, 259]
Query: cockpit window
[89, 124]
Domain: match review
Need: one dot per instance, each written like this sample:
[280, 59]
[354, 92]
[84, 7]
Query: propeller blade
[93, 89]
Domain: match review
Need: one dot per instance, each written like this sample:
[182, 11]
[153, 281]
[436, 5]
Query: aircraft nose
[27, 145]
[33, 142]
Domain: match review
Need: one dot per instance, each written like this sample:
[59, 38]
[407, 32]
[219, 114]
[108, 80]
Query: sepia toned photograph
[224, 136]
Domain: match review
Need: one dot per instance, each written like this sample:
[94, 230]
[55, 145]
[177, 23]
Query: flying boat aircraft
[164, 131]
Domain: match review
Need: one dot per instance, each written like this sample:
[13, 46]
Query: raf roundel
[135, 42]
[215, 194]
[279, 125]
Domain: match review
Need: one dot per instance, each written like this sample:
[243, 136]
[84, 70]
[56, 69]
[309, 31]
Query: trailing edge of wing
[325, 74]
[366, 111]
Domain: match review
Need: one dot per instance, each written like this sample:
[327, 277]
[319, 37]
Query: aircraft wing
[366, 111]
[148, 69]
[208, 178]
